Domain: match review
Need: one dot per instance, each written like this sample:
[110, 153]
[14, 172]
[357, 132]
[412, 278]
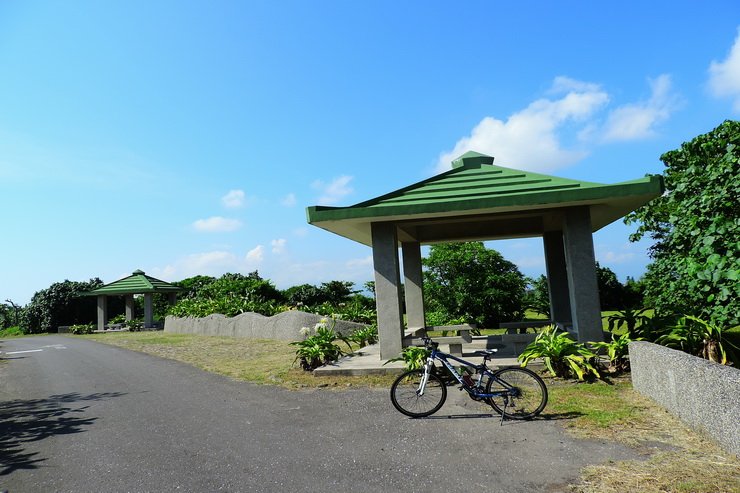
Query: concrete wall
[284, 326]
[704, 395]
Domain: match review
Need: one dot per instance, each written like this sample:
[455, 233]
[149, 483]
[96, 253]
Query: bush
[12, 332]
[698, 337]
[60, 304]
[318, 349]
[82, 329]
[563, 356]
[415, 357]
[364, 336]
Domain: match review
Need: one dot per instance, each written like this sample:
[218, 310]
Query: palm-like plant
[617, 351]
[562, 355]
[318, 349]
[698, 337]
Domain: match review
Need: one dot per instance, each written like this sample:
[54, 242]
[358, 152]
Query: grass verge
[251, 360]
[676, 459]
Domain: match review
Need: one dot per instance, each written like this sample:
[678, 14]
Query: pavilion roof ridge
[137, 283]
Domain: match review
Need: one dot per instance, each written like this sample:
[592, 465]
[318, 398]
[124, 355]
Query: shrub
[415, 357]
[82, 329]
[617, 351]
[12, 332]
[698, 337]
[563, 356]
[364, 336]
[318, 349]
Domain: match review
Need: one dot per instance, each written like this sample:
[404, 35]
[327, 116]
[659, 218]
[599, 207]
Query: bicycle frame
[481, 369]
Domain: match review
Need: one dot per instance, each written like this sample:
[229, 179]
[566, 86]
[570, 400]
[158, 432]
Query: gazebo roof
[477, 200]
[136, 283]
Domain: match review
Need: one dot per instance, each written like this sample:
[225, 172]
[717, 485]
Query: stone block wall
[284, 326]
[704, 395]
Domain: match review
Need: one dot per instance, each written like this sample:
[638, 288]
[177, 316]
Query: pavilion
[477, 201]
[137, 283]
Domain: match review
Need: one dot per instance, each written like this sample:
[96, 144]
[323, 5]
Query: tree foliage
[695, 268]
[60, 304]
[471, 281]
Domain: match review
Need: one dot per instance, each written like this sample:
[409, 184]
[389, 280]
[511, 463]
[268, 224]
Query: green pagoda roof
[476, 190]
[136, 283]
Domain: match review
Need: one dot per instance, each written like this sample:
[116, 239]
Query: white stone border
[704, 395]
[284, 326]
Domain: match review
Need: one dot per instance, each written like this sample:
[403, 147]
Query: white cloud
[360, 262]
[529, 138]
[217, 224]
[213, 263]
[724, 76]
[334, 191]
[638, 120]
[300, 232]
[289, 200]
[278, 246]
[256, 255]
[233, 199]
[533, 138]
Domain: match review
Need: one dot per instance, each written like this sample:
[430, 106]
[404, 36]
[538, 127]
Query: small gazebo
[137, 283]
[476, 200]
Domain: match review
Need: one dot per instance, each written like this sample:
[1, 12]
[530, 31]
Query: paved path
[79, 416]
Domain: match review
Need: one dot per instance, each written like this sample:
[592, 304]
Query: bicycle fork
[424, 377]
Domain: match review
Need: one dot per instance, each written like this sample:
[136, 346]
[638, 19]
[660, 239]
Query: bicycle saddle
[487, 352]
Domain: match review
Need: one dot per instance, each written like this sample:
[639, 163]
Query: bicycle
[515, 393]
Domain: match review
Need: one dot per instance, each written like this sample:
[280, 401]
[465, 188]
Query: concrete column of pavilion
[137, 283]
[477, 201]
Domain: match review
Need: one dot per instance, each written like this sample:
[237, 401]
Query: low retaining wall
[284, 326]
[702, 394]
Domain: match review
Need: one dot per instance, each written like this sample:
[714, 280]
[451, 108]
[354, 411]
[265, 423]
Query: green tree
[611, 291]
[471, 281]
[60, 304]
[538, 295]
[695, 268]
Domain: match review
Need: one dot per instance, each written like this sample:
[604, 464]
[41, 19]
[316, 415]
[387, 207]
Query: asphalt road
[77, 416]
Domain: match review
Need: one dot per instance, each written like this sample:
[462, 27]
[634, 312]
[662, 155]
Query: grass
[676, 459]
[251, 360]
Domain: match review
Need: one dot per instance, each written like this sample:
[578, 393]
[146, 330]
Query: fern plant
[562, 356]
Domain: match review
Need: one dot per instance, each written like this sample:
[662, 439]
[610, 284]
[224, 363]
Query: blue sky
[187, 138]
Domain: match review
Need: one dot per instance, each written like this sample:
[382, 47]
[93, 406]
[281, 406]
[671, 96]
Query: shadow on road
[31, 420]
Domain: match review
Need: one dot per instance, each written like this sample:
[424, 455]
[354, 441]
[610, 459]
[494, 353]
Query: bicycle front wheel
[406, 398]
[523, 393]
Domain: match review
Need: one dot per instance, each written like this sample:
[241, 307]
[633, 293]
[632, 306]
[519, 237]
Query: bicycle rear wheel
[405, 396]
[524, 394]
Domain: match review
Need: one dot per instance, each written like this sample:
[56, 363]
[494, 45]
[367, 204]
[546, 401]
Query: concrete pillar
[387, 289]
[102, 311]
[148, 311]
[130, 307]
[413, 285]
[581, 266]
[171, 298]
[557, 278]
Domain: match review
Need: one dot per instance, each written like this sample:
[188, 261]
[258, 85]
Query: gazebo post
[581, 267]
[387, 289]
[148, 311]
[413, 285]
[130, 307]
[102, 311]
[557, 278]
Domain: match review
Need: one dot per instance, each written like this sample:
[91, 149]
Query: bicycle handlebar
[429, 343]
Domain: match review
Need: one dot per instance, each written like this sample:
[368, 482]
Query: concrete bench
[412, 336]
[521, 327]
